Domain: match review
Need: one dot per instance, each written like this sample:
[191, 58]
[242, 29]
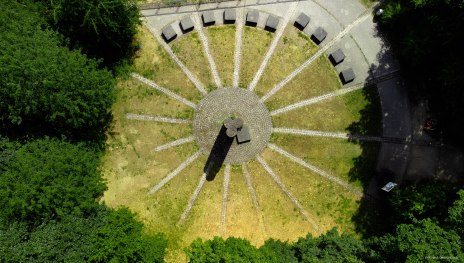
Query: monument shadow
[218, 154]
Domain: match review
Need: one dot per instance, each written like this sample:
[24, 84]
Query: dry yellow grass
[222, 46]
[190, 51]
[255, 44]
[332, 155]
[154, 63]
[281, 219]
[335, 114]
[292, 50]
[317, 79]
[330, 205]
[243, 220]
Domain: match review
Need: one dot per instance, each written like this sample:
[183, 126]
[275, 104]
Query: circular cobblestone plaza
[222, 103]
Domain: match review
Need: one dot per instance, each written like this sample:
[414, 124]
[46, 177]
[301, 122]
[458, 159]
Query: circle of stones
[223, 103]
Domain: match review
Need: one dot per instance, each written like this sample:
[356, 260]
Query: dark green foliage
[231, 250]
[121, 240]
[45, 88]
[331, 247]
[103, 29]
[427, 38]
[277, 251]
[456, 215]
[48, 179]
[7, 152]
[417, 201]
[12, 238]
[109, 235]
[426, 239]
[64, 241]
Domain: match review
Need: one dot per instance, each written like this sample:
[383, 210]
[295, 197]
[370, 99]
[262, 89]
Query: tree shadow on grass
[371, 218]
[368, 218]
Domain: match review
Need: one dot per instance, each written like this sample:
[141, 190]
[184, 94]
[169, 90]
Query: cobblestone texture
[232, 102]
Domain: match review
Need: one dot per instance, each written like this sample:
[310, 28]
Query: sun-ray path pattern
[225, 196]
[174, 143]
[287, 192]
[142, 117]
[174, 173]
[315, 169]
[209, 56]
[181, 65]
[314, 100]
[275, 41]
[254, 197]
[192, 200]
[238, 47]
[339, 135]
[164, 90]
[308, 62]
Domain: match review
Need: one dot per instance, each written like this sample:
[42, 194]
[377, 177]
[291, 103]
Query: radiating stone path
[164, 90]
[174, 173]
[321, 51]
[314, 100]
[192, 200]
[254, 197]
[142, 117]
[275, 41]
[238, 47]
[174, 143]
[225, 196]
[209, 57]
[339, 135]
[287, 192]
[181, 65]
[314, 169]
[221, 103]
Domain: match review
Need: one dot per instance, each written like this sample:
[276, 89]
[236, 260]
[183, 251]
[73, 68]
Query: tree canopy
[49, 179]
[45, 87]
[103, 29]
[426, 35]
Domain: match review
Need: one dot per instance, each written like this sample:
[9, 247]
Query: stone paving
[220, 104]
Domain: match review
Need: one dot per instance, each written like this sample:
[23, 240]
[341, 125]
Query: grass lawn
[222, 46]
[255, 44]
[154, 63]
[190, 51]
[334, 115]
[332, 155]
[329, 204]
[317, 79]
[292, 50]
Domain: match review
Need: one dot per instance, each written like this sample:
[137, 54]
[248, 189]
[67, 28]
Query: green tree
[45, 88]
[101, 28]
[426, 240]
[277, 251]
[426, 35]
[121, 239]
[114, 233]
[12, 239]
[48, 179]
[456, 215]
[423, 241]
[331, 247]
[416, 201]
[231, 250]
